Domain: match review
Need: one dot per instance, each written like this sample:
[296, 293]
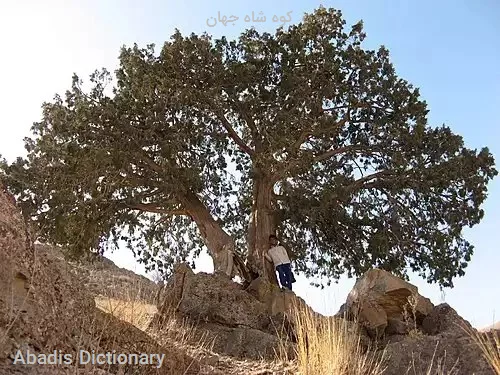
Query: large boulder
[212, 298]
[245, 343]
[275, 299]
[379, 299]
[445, 342]
[243, 323]
[444, 319]
[412, 333]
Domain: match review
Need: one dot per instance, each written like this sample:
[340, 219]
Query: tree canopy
[303, 133]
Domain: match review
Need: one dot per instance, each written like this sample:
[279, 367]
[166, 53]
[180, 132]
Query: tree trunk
[220, 245]
[262, 225]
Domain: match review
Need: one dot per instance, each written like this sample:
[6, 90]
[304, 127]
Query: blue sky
[450, 49]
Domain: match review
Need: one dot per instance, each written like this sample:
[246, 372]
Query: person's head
[273, 240]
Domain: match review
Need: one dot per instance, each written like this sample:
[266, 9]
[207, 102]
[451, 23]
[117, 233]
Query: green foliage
[361, 179]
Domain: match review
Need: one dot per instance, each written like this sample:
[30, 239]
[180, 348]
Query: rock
[372, 316]
[280, 304]
[123, 337]
[40, 302]
[287, 302]
[443, 318]
[458, 355]
[378, 296]
[213, 298]
[240, 342]
[397, 327]
[263, 290]
[43, 307]
[274, 298]
[171, 294]
[101, 277]
[445, 340]
[252, 319]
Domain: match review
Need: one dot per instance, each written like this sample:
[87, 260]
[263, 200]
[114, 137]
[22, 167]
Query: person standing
[278, 255]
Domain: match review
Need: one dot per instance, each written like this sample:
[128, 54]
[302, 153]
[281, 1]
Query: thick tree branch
[154, 208]
[341, 150]
[310, 133]
[301, 164]
[363, 181]
[233, 135]
[248, 119]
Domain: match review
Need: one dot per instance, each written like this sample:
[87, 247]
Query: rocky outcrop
[445, 340]
[411, 331]
[34, 292]
[240, 322]
[380, 301]
[101, 277]
[43, 307]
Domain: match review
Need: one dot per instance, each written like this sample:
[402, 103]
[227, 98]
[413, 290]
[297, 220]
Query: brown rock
[101, 277]
[378, 296]
[457, 355]
[263, 290]
[240, 342]
[43, 307]
[450, 346]
[396, 327]
[40, 303]
[443, 318]
[240, 322]
[276, 300]
[213, 298]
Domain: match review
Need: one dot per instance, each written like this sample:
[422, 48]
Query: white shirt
[278, 255]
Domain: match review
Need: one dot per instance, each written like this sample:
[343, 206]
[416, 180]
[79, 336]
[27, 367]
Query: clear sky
[448, 48]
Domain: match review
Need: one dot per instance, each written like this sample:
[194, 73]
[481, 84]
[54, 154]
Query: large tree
[303, 133]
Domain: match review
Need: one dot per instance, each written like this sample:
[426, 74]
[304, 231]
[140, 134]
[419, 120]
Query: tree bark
[220, 244]
[262, 224]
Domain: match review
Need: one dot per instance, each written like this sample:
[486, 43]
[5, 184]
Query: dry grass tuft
[489, 342]
[330, 346]
[436, 366]
[132, 311]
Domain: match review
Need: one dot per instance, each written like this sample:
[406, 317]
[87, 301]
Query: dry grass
[135, 312]
[170, 331]
[410, 315]
[330, 346]
[489, 342]
[173, 330]
[436, 366]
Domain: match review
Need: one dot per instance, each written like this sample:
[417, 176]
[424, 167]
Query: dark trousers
[285, 275]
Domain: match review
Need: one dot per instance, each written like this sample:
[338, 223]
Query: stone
[45, 307]
[240, 342]
[101, 277]
[443, 318]
[397, 327]
[214, 298]
[40, 302]
[457, 355]
[263, 290]
[378, 296]
[252, 319]
[445, 340]
[277, 300]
